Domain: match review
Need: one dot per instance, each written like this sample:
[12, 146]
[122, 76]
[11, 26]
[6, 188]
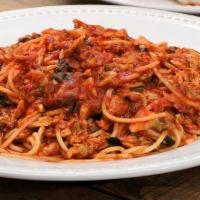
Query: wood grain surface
[182, 185]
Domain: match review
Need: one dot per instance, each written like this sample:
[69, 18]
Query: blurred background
[170, 5]
[11, 4]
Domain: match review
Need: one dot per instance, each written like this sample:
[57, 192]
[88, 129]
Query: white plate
[171, 5]
[158, 26]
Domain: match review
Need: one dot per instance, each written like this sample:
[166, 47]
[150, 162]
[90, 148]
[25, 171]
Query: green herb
[62, 71]
[59, 76]
[62, 66]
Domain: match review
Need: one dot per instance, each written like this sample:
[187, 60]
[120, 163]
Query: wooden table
[182, 185]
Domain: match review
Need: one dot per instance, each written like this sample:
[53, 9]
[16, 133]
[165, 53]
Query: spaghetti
[96, 93]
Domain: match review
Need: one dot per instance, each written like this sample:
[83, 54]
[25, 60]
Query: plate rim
[122, 9]
[183, 163]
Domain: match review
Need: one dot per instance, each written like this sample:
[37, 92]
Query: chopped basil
[62, 66]
[59, 76]
[62, 71]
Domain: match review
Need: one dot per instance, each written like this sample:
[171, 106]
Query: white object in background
[170, 5]
[190, 2]
[177, 29]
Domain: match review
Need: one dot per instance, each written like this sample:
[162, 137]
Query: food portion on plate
[190, 2]
[96, 93]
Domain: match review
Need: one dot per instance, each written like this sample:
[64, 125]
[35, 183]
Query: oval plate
[177, 29]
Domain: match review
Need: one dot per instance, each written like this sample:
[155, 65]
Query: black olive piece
[173, 110]
[153, 80]
[96, 115]
[74, 107]
[69, 101]
[168, 141]
[138, 88]
[119, 53]
[27, 38]
[172, 49]
[18, 142]
[114, 141]
[141, 48]
[5, 101]
[61, 102]
[2, 126]
[41, 90]
[127, 99]
[69, 145]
